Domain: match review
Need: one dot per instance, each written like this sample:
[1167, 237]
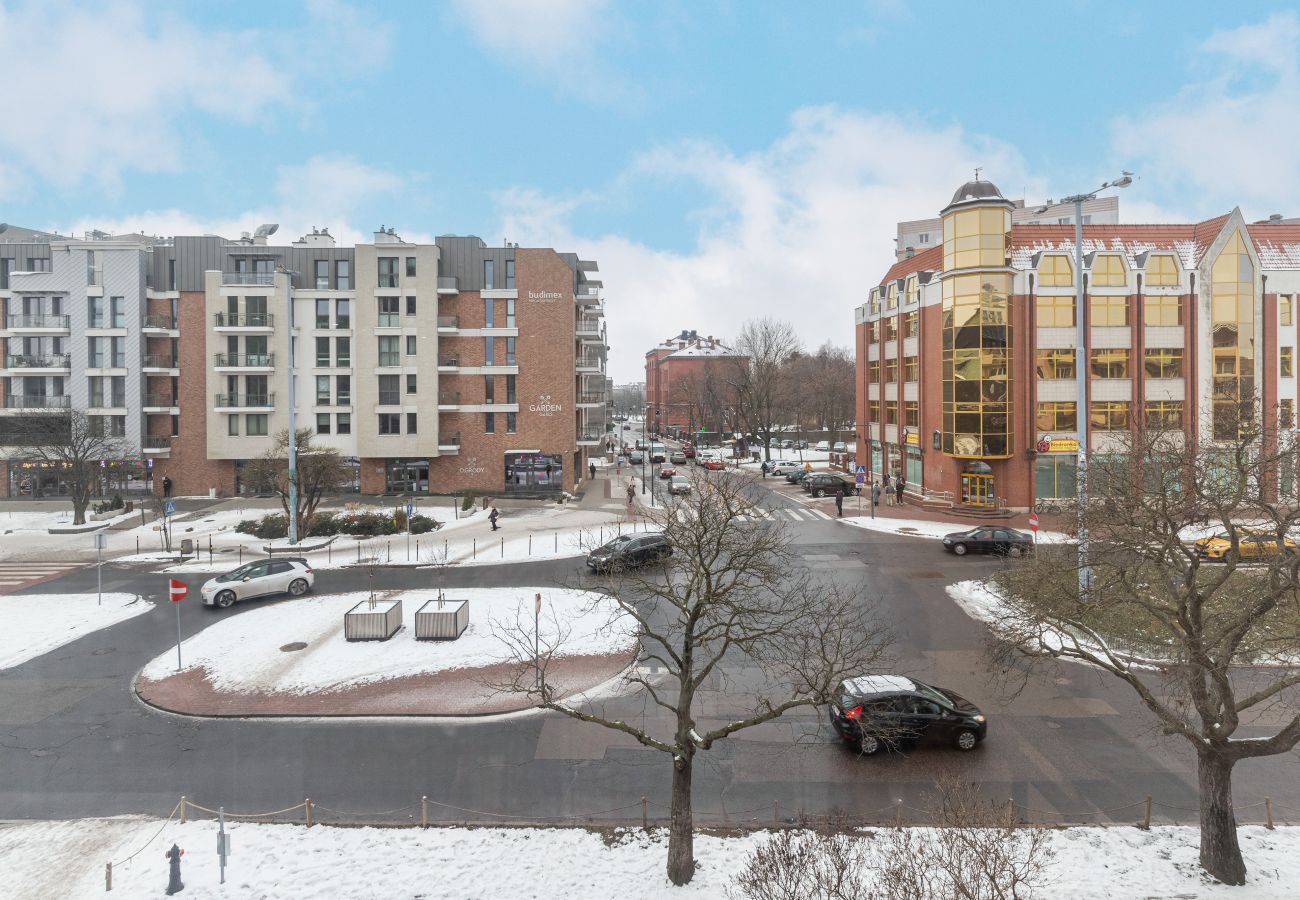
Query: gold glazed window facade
[1285, 305]
[1161, 271]
[1055, 270]
[1054, 312]
[891, 371]
[1164, 415]
[1109, 415]
[1162, 309]
[911, 414]
[911, 368]
[891, 329]
[873, 371]
[1056, 416]
[1286, 362]
[873, 410]
[977, 340]
[1055, 364]
[911, 324]
[1111, 362]
[1232, 328]
[1165, 362]
[1111, 311]
[910, 294]
[1108, 270]
[975, 237]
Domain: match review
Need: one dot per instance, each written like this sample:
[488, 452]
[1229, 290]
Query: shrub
[323, 525]
[399, 519]
[266, 528]
[366, 524]
[467, 502]
[422, 524]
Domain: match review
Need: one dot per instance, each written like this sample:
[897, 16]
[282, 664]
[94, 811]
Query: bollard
[473, 550]
[444, 550]
[329, 552]
[645, 815]
[358, 549]
[306, 805]
[557, 542]
[241, 554]
[183, 810]
[390, 551]
[898, 815]
[108, 876]
[503, 547]
[424, 812]
[602, 536]
[776, 813]
[530, 543]
[1268, 813]
[1146, 819]
[209, 548]
[137, 545]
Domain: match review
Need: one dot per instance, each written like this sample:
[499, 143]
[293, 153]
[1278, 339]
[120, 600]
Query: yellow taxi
[1250, 545]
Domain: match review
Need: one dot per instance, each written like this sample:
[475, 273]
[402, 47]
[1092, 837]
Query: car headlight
[979, 718]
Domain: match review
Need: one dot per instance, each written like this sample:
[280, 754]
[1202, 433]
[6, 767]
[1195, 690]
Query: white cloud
[1230, 138]
[798, 231]
[103, 87]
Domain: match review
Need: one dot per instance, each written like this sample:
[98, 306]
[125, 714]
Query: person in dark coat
[167, 486]
[591, 468]
[492, 517]
[886, 485]
[839, 501]
[875, 494]
[764, 469]
[898, 491]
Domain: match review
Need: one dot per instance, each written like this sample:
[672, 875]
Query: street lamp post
[1081, 381]
[293, 425]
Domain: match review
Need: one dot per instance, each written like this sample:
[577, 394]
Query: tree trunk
[1220, 852]
[80, 500]
[681, 830]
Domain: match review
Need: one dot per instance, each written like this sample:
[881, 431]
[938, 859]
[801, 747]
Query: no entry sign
[177, 590]
[1033, 521]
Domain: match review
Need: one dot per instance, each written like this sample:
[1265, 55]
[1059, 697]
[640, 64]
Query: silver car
[258, 579]
[679, 484]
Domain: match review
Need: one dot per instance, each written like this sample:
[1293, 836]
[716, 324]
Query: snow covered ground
[25, 534]
[35, 624]
[242, 653]
[934, 530]
[55, 860]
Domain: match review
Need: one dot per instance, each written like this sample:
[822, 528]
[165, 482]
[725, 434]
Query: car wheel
[965, 740]
[869, 745]
[959, 549]
[225, 599]
[298, 587]
[1015, 552]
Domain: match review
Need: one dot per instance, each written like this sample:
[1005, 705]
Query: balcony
[36, 401]
[261, 278]
[37, 323]
[27, 361]
[156, 445]
[588, 326]
[590, 439]
[247, 321]
[165, 323]
[586, 295]
[159, 364]
[448, 401]
[449, 443]
[449, 364]
[159, 403]
[448, 324]
[245, 360]
[244, 401]
[589, 363]
[591, 399]
[448, 284]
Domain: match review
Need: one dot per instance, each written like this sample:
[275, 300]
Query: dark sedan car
[879, 712]
[629, 551]
[989, 539]
[797, 475]
[819, 483]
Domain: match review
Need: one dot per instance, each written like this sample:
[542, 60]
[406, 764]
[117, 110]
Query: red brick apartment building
[689, 385]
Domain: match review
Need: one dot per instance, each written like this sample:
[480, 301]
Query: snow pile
[241, 653]
[52, 860]
[35, 624]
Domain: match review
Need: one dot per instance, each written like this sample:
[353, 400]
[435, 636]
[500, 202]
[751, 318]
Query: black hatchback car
[989, 539]
[818, 483]
[889, 712]
[628, 551]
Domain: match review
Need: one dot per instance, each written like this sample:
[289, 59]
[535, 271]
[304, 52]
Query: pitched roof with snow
[703, 348]
[928, 260]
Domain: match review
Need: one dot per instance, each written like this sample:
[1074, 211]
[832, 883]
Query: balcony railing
[448, 398]
[36, 401]
[159, 361]
[107, 403]
[587, 294]
[247, 320]
[448, 321]
[589, 324]
[245, 360]
[265, 278]
[387, 280]
[589, 362]
[449, 440]
[388, 360]
[155, 442]
[156, 401]
[449, 362]
[245, 401]
[591, 396]
[448, 284]
[390, 398]
[390, 320]
[28, 361]
[37, 321]
[167, 323]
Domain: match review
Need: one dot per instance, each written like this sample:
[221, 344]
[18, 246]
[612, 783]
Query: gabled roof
[929, 259]
[1189, 240]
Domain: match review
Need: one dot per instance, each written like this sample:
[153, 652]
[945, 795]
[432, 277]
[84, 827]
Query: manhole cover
[295, 645]
[102, 650]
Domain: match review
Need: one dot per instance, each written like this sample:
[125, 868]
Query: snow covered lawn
[34, 624]
[53, 860]
[934, 530]
[241, 653]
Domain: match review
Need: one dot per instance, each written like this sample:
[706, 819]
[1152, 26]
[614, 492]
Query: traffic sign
[410, 508]
[861, 469]
[177, 590]
[169, 508]
[1033, 521]
[860, 478]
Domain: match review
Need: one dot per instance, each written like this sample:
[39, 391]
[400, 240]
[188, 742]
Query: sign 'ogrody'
[545, 406]
[472, 467]
[544, 296]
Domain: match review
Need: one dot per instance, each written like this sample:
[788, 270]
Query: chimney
[910, 251]
[1275, 219]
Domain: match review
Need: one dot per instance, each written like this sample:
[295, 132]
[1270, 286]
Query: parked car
[679, 484]
[658, 453]
[878, 712]
[823, 445]
[784, 466]
[637, 458]
[989, 539]
[794, 476]
[714, 464]
[626, 427]
[1250, 545]
[840, 447]
[667, 471]
[261, 578]
[819, 483]
[786, 444]
[628, 551]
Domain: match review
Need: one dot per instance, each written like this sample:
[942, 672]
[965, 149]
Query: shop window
[1055, 475]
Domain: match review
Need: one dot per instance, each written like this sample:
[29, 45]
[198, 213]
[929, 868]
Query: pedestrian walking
[765, 470]
[888, 490]
[492, 517]
[898, 491]
[839, 501]
[167, 486]
[591, 469]
[631, 491]
[875, 494]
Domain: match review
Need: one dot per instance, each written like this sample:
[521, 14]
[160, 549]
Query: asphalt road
[74, 741]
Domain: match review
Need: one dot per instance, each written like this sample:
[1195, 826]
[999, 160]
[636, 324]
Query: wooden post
[306, 805]
[108, 876]
[1146, 818]
[183, 809]
[776, 813]
[645, 815]
[424, 812]
[1268, 813]
[1011, 813]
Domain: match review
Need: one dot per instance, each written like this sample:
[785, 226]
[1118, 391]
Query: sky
[719, 160]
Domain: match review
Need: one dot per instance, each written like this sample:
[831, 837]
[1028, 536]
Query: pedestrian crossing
[757, 513]
[17, 575]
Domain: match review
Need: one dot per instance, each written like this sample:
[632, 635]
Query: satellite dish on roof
[266, 230]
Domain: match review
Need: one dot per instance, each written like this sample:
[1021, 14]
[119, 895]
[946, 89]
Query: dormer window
[1108, 270]
[1055, 270]
[1161, 271]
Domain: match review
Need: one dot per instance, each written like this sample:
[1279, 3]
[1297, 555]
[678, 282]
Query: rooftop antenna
[978, 169]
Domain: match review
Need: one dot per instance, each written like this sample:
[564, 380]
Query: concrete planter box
[361, 623]
[441, 621]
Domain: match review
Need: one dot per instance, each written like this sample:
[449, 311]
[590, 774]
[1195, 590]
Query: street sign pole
[175, 591]
[410, 508]
[101, 541]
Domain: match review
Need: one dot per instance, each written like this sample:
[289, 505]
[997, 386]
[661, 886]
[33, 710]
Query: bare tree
[321, 472]
[77, 445]
[729, 595]
[760, 390]
[828, 863]
[1223, 635]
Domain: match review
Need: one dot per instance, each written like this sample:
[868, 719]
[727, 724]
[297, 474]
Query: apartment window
[389, 351]
[322, 284]
[390, 387]
[410, 267]
[510, 389]
[911, 368]
[343, 352]
[875, 331]
[6, 265]
[95, 312]
[410, 345]
[489, 423]
[232, 425]
[911, 414]
[343, 423]
[911, 324]
[891, 371]
[1111, 362]
[1164, 415]
[390, 314]
[96, 384]
[1111, 311]
[487, 274]
[923, 237]
[118, 346]
[510, 278]
[510, 351]
[510, 313]
[488, 347]
[410, 417]
[1054, 312]
[488, 309]
[342, 314]
[410, 306]
[1285, 360]
[36, 264]
[512, 420]
[1056, 416]
[255, 424]
[1055, 364]
[1285, 303]
[322, 423]
[322, 314]
[891, 412]
[1164, 362]
[388, 271]
[1109, 415]
[1108, 270]
[873, 410]
[117, 312]
[489, 389]
[1286, 413]
[323, 352]
[343, 277]
[1162, 271]
[342, 389]
[873, 371]
[1055, 270]
[390, 423]
[1162, 309]
[891, 329]
[322, 390]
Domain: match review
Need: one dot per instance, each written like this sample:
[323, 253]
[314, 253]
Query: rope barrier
[190, 804]
[152, 839]
[363, 815]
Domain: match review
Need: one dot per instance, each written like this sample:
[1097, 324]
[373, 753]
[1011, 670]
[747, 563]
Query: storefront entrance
[530, 473]
[977, 489]
[406, 476]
